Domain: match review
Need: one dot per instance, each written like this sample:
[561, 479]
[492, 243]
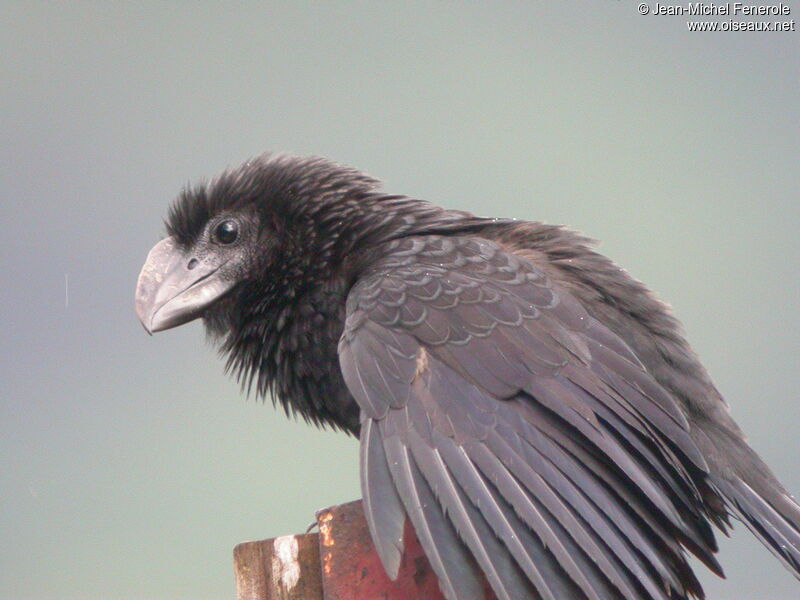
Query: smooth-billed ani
[527, 404]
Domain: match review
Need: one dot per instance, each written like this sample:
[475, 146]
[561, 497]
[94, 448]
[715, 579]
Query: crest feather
[265, 181]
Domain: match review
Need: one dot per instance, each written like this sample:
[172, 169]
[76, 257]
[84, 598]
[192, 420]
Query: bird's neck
[289, 350]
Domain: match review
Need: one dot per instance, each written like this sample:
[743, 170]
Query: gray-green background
[130, 466]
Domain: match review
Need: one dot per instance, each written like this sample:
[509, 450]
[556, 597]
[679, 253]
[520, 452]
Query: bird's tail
[754, 495]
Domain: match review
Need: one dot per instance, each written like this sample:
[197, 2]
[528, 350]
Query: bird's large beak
[175, 288]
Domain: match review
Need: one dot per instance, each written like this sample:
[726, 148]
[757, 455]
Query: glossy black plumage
[532, 409]
[458, 352]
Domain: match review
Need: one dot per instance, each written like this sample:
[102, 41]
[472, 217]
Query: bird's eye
[226, 232]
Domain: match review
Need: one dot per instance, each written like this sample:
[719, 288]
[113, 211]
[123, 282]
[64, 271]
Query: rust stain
[326, 535]
[325, 529]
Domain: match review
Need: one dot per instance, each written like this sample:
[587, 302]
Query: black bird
[532, 409]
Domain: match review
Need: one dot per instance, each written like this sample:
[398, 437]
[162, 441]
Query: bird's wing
[516, 432]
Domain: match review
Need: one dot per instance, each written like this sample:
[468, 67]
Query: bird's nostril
[192, 264]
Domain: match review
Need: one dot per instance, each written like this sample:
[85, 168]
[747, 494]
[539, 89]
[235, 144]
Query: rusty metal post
[339, 563]
[351, 569]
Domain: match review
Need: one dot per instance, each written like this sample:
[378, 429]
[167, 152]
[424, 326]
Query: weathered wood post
[284, 568]
[338, 563]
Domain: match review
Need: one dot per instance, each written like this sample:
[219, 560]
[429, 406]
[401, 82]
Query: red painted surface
[352, 570]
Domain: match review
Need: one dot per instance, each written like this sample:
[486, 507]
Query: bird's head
[259, 232]
[266, 254]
